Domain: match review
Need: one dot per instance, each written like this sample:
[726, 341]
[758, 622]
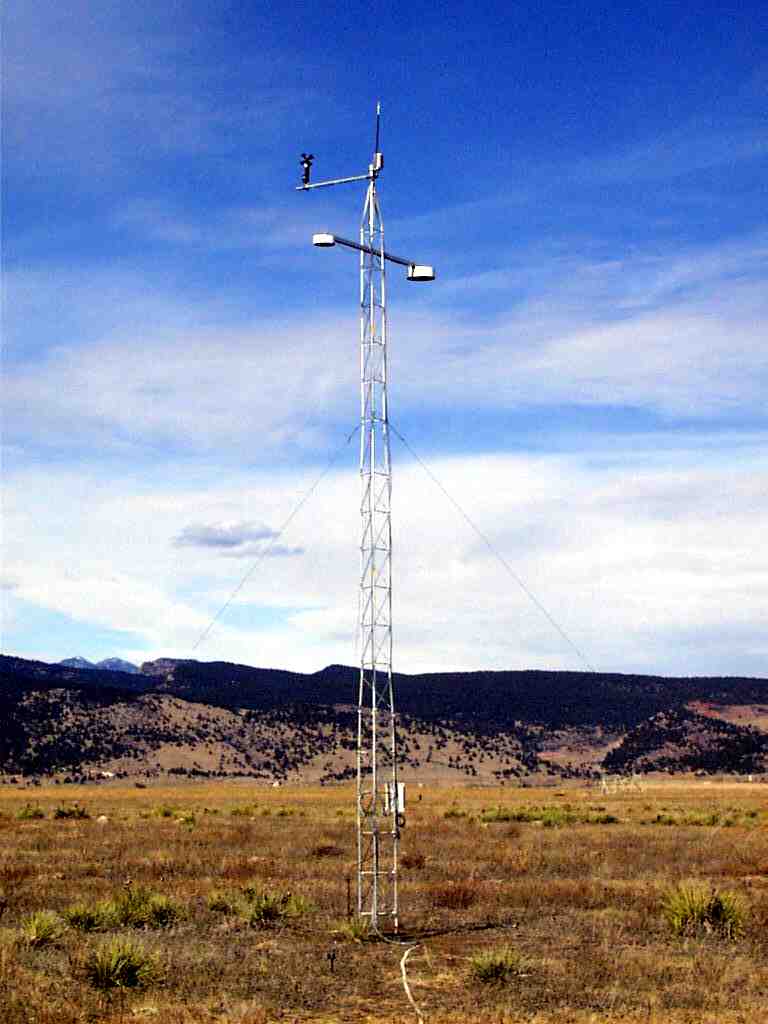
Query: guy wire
[496, 554]
[273, 540]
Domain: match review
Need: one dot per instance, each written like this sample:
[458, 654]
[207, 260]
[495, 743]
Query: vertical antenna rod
[380, 802]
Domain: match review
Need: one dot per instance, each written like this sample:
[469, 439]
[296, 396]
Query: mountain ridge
[108, 664]
[184, 716]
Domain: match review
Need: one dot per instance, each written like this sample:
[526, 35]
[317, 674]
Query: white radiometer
[420, 272]
[324, 240]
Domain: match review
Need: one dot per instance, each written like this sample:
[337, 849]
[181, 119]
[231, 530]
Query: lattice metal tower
[380, 799]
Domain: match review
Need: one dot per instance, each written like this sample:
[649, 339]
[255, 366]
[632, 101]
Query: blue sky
[586, 376]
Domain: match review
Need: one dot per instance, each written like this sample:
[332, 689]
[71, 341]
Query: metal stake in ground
[380, 798]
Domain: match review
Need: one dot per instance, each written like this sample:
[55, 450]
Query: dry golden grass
[259, 876]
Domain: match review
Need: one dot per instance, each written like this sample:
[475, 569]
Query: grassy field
[228, 903]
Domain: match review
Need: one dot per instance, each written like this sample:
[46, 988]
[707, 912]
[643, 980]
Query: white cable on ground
[411, 1000]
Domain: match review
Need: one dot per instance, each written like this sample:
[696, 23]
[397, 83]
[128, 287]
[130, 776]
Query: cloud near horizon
[638, 554]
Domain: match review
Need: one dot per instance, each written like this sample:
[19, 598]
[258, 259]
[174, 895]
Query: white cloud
[634, 560]
[95, 89]
[692, 146]
[259, 386]
[683, 336]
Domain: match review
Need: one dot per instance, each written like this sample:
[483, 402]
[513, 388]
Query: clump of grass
[120, 964]
[664, 819]
[75, 812]
[83, 917]
[495, 814]
[454, 895]
[548, 816]
[454, 812]
[222, 902]
[185, 818]
[30, 812]
[137, 907]
[163, 811]
[326, 850]
[264, 908]
[556, 817]
[498, 966]
[249, 811]
[415, 859]
[692, 909]
[43, 928]
[356, 929]
[602, 818]
[707, 820]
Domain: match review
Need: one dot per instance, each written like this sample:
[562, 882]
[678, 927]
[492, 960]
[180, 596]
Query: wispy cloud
[689, 148]
[96, 90]
[256, 228]
[222, 535]
[236, 540]
[681, 333]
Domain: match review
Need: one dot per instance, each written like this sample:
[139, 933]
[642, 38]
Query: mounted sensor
[420, 272]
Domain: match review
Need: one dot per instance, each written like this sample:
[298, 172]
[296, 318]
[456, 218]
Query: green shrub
[29, 812]
[297, 906]
[549, 817]
[222, 902]
[120, 964]
[137, 907]
[693, 909]
[163, 811]
[356, 929]
[249, 811]
[496, 967]
[75, 812]
[265, 908]
[602, 819]
[707, 820]
[556, 817]
[494, 814]
[454, 812]
[43, 928]
[83, 918]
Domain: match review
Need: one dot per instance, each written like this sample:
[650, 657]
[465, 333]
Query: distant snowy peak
[77, 663]
[108, 664]
[118, 665]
